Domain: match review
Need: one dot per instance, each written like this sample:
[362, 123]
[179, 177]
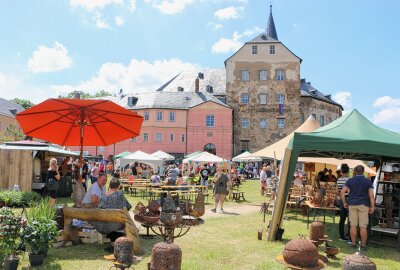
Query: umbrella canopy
[162, 155]
[246, 157]
[123, 154]
[204, 157]
[277, 150]
[76, 122]
[143, 157]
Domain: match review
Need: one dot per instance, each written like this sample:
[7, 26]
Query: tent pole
[279, 199]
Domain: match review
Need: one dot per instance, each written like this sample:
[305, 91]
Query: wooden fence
[16, 168]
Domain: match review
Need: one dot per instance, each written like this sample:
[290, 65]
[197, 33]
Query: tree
[11, 133]
[23, 102]
[85, 95]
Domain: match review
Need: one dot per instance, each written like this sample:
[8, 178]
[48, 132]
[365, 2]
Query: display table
[317, 210]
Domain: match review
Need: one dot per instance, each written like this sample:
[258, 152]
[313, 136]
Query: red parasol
[77, 122]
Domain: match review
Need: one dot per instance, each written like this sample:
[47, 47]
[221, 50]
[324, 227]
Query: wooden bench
[238, 195]
[103, 215]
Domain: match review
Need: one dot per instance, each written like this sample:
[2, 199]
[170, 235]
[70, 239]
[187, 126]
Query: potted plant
[38, 235]
[11, 227]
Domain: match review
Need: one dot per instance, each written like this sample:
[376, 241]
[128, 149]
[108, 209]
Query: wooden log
[103, 215]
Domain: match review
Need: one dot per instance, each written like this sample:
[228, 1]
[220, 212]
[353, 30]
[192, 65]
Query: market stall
[162, 155]
[246, 157]
[350, 137]
[25, 163]
[202, 158]
[140, 157]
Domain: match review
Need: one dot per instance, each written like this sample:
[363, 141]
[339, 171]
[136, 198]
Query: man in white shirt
[95, 192]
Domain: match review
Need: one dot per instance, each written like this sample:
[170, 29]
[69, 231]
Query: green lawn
[223, 242]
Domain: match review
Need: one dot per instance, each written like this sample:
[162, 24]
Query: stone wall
[6, 121]
[310, 106]
[261, 137]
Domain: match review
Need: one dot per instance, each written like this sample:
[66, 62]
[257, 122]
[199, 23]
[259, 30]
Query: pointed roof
[277, 150]
[271, 30]
[350, 136]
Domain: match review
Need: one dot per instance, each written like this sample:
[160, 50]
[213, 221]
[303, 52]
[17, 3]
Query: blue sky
[350, 49]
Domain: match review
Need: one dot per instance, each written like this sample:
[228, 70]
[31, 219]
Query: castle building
[258, 99]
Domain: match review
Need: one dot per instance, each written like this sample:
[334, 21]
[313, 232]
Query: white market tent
[162, 155]
[246, 157]
[277, 149]
[141, 157]
[204, 157]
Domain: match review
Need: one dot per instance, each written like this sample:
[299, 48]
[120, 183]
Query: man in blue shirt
[360, 203]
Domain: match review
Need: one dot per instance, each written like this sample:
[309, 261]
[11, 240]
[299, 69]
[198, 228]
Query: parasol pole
[82, 131]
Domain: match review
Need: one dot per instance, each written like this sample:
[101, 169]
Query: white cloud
[214, 26]
[229, 13]
[119, 20]
[11, 87]
[344, 99]
[90, 5]
[387, 101]
[390, 110]
[101, 22]
[170, 7]
[137, 76]
[132, 5]
[46, 59]
[225, 45]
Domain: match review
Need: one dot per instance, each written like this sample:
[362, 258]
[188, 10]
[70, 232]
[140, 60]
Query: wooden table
[318, 209]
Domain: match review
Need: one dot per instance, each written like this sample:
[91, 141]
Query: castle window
[183, 137]
[209, 89]
[263, 123]
[281, 122]
[145, 137]
[280, 75]
[172, 116]
[271, 49]
[171, 137]
[262, 75]
[314, 116]
[245, 123]
[244, 99]
[280, 99]
[263, 99]
[254, 49]
[133, 139]
[158, 137]
[159, 116]
[245, 75]
[146, 116]
[321, 120]
[210, 120]
[245, 145]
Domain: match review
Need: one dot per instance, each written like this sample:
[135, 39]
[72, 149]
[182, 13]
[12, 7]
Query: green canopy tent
[121, 155]
[350, 137]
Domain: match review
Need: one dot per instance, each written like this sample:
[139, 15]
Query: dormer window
[209, 89]
[180, 89]
[132, 101]
[201, 75]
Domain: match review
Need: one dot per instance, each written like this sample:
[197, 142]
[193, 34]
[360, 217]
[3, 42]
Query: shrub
[11, 227]
[19, 198]
[43, 209]
[39, 233]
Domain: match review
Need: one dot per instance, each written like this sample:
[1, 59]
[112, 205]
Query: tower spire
[271, 30]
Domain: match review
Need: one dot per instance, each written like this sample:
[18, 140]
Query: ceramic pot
[36, 260]
[358, 261]
[11, 263]
[301, 252]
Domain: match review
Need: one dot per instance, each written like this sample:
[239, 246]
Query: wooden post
[279, 205]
